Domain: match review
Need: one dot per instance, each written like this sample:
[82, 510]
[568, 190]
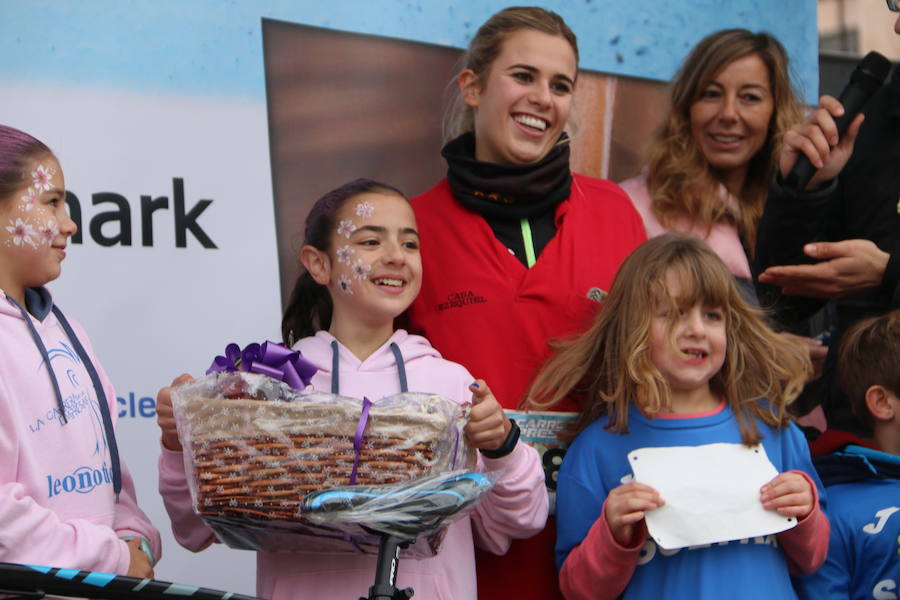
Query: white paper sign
[711, 493]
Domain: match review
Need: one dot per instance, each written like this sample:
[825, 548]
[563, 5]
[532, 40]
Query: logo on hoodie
[77, 401]
[82, 480]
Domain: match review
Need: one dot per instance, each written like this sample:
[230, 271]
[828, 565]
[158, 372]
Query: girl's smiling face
[34, 228]
[523, 101]
[699, 338]
[374, 269]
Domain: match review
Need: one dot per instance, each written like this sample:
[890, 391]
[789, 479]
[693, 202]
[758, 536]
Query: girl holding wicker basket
[362, 269]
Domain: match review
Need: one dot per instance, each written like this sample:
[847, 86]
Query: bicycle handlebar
[25, 579]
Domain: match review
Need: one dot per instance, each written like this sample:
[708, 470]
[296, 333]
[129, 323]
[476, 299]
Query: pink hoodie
[516, 508]
[57, 505]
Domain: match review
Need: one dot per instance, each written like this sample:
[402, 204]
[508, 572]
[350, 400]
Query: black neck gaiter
[505, 195]
[511, 192]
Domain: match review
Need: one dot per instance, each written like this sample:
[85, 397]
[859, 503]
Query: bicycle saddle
[405, 510]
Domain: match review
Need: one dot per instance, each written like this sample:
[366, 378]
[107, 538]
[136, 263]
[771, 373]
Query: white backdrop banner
[157, 112]
[176, 258]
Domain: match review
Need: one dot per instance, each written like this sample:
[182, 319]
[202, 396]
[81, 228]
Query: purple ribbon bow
[269, 359]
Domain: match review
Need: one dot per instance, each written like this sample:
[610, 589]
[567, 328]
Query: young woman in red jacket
[518, 249]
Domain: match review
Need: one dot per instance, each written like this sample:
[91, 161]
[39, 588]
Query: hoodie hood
[318, 349]
[381, 374]
[40, 305]
[38, 302]
[856, 463]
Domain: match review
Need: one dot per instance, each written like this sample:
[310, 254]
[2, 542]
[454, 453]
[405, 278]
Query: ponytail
[308, 310]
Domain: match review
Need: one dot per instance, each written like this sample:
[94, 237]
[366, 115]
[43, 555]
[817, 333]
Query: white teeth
[532, 122]
[390, 282]
[727, 139]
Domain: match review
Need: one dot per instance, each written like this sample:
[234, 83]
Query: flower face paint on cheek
[345, 254]
[48, 232]
[30, 232]
[361, 270]
[22, 234]
[358, 270]
[28, 200]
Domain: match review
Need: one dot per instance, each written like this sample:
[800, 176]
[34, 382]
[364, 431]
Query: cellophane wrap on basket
[405, 510]
[254, 447]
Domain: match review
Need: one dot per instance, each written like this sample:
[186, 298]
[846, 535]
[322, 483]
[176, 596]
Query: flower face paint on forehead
[365, 210]
[41, 181]
[42, 178]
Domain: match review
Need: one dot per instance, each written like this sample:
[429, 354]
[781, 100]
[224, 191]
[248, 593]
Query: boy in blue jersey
[863, 479]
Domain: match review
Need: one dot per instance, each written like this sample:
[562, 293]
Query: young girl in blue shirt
[677, 358]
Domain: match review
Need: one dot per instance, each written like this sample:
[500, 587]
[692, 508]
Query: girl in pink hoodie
[66, 498]
[362, 269]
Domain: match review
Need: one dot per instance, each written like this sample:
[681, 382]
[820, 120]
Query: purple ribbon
[269, 359]
[358, 438]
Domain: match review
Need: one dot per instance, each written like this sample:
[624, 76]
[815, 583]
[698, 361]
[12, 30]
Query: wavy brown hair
[485, 47]
[609, 366]
[680, 180]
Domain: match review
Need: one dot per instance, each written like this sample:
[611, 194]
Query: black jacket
[863, 203]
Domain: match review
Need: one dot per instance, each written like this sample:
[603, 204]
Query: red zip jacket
[479, 306]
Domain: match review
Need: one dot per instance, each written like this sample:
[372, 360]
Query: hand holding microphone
[817, 149]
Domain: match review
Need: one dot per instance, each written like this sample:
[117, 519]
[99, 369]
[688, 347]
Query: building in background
[848, 29]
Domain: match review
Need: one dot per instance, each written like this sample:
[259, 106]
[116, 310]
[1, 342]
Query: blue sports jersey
[864, 509]
[745, 569]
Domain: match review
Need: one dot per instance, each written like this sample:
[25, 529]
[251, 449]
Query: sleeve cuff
[492, 464]
[145, 547]
[821, 191]
[890, 281]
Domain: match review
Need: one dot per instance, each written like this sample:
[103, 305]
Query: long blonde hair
[485, 47]
[608, 367]
[680, 180]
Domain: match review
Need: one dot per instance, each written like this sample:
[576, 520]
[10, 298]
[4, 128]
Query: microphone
[865, 80]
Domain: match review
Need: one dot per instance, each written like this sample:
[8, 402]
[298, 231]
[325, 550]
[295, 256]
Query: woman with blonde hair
[518, 249]
[712, 159]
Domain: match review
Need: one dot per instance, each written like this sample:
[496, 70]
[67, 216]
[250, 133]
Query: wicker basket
[251, 461]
